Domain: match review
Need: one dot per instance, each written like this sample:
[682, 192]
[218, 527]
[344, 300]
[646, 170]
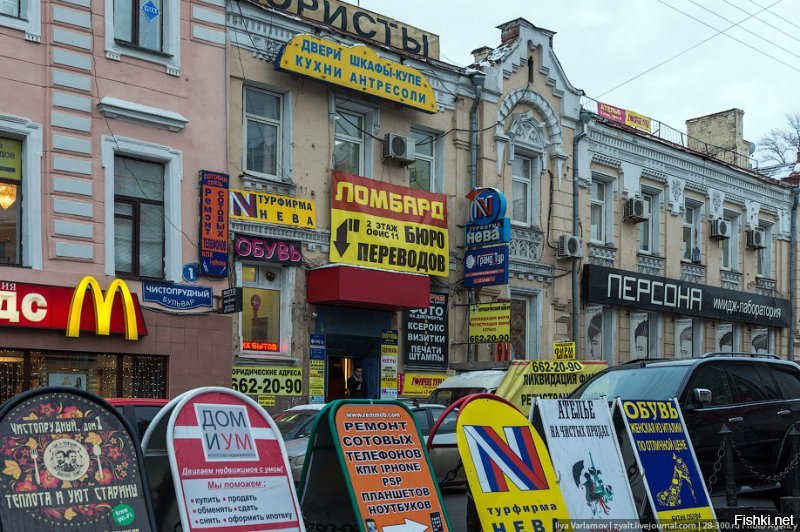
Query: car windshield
[445, 396]
[655, 383]
[288, 421]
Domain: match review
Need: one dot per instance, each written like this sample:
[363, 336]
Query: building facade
[107, 117]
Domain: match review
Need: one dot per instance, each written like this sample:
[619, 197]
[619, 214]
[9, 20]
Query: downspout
[585, 116]
[792, 269]
[477, 80]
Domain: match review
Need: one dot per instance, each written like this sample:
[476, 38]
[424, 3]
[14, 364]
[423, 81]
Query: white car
[444, 452]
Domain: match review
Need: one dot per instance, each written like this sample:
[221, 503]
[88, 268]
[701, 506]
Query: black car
[756, 396]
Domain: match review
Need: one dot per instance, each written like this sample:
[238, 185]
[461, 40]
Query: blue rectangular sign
[491, 233]
[177, 296]
[486, 266]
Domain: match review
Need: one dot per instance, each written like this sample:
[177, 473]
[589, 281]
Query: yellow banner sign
[508, 469]
[638, 121]
[357, 68]
[490, 323]
[268, 380]
[549, 379]
[564, 351]
[316, 377]
[420, 384]
[386, 226]
[266, 400]
[10, 159]
[273, 209]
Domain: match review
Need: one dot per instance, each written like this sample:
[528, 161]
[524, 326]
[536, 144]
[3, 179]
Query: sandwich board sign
[508, 468]
[665, 456]
[366, 470]
[70, 462]
[586, 457]
[227, 462]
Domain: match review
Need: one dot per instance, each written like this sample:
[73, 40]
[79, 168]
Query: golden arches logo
[103, 306]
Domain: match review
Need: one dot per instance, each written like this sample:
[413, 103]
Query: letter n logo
[497, 460]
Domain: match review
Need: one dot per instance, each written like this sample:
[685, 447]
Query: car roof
[313, 406]
[708, 357]
[489, 378]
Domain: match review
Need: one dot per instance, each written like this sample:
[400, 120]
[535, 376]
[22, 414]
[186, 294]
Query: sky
[604, 43]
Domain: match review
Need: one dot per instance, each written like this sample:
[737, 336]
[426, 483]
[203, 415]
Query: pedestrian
[356, 385]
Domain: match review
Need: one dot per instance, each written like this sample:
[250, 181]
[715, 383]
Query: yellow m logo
[103, 305]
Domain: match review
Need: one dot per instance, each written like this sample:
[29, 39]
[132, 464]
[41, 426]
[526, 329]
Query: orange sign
[388, 468]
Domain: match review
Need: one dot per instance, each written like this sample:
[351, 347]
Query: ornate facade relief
[716, 200]
[676, 187]
[751, 209]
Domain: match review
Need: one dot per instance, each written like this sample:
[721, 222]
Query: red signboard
[49, 307]
[214, 224]
[229, 465]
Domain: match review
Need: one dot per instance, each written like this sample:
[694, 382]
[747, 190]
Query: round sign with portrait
[69, 462]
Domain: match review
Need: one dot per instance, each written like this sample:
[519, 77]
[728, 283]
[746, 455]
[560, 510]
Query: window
[689, 233]
[688, 337]
[713, 378]
[649, 229]
[265, 325]
[645, 335]
[263, 137]
[139, 23]
[727, 248]
[10, 8]
[144, 29]
[599, 333]
[142, 195]
[525, 327]
[10, 200]
[521, 182]
[421, 173]
[348, 151]
[138, 217]
[598, 211]
[23, 15]
[748, 385]
[764, 256]
[788, 380]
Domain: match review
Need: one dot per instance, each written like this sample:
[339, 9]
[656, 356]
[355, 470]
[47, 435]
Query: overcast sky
[603, 43]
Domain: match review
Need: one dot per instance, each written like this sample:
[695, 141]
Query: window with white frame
[521, 189]
[422, 173]
[649, 229]
[11, 200]
[144, 29]
[688, 337]
[263, 134]
[349, 140]
[525, 326]
[599, 338]
[265, 325]
[764, 255]
[690, 215]
[645, 335]
[142, 208]
[24, 15]
[598, 208]
[729, 247]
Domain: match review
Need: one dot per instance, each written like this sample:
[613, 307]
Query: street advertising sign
[549, 379]
[39, 306]
[214, 224]
[489, 322]
[177, 296]
[587, 459]
[389, 349]
[564, 351]
[486, 266]
[363, 23]
[623, 116]
[316, 370]
[231, 300]
[488, 205]
[268, 380]
[611, 286]
[268, 250]
[665, 456]
[387, 226]
[508, 469]
[70, 462]
[419, 384]
[358, 68]
[492, 233]
[426, 338]
[228, 464]
[366, 466]
[261, 207]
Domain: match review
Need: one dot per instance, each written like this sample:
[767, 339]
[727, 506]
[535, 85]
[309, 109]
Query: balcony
[525, 252]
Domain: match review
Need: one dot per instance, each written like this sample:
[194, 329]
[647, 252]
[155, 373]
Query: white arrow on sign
[408, 526]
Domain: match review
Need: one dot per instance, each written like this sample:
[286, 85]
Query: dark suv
[757, 396]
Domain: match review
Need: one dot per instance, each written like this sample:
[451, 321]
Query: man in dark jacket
[356, 385]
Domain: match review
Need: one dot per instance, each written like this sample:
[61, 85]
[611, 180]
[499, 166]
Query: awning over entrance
[368, 288]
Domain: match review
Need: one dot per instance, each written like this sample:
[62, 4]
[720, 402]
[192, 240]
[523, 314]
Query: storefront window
[10, 199]
[11, 368]
[261, 319]
[144, 377]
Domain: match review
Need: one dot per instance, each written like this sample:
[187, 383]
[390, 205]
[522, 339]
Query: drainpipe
[477, 80]
[792, 268]
[585, 117]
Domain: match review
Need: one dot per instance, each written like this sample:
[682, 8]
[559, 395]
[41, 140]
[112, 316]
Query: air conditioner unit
[755, 240]
[399, 148]
[569, 247]
[635, 210]
[720, 229]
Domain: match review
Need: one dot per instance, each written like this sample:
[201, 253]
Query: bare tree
[780, 144]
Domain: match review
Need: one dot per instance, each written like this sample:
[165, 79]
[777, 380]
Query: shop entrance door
[342, 366]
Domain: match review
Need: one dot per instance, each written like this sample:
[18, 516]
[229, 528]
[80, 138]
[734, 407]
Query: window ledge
[270, 184]
[143, 114]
